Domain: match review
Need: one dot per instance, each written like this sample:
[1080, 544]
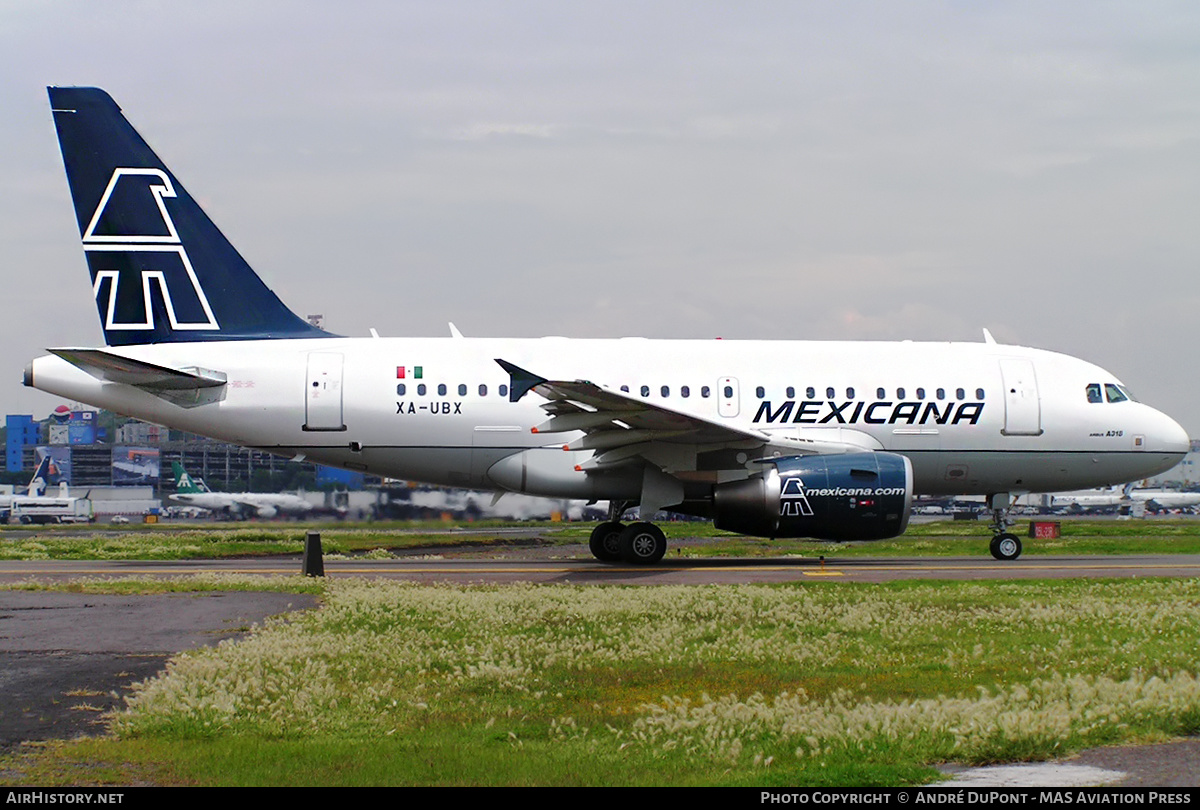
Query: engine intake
[854, 496]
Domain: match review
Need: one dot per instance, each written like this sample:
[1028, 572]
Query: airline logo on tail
[183, 481]
[130, 256]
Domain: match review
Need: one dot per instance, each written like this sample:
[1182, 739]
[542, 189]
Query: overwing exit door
[727, 396]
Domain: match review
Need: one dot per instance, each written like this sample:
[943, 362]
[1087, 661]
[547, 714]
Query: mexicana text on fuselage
[877, 412]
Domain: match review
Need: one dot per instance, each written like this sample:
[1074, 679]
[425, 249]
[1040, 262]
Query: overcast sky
[800, 170]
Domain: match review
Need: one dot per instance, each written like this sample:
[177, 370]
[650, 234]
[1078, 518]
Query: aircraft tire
[1006, 546]
[643, 544]
[605, 543]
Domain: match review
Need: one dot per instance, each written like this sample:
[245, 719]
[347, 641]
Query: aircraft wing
[620, 427]
[184, 386]
[246, 502]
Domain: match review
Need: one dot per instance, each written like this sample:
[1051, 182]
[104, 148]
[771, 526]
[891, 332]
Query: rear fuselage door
[323, 392]
[1022, 405]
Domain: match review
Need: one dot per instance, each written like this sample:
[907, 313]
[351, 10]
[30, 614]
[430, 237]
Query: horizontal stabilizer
[188, 386]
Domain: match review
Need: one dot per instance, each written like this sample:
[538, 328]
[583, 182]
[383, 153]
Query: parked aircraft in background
[1166, 500]
[36, 507]
[1091, 500]
[1113, 498]
[777, 439]
[242, 504]
[35, 487]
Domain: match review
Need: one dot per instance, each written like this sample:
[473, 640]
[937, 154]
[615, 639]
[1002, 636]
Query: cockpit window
[1110, 392]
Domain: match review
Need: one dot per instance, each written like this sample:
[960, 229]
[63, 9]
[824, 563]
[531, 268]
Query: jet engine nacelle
[267, 512]
[853, 496]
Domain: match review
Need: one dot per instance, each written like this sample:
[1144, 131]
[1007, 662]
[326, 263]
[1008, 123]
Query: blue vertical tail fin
[41, 477]
[161, 270]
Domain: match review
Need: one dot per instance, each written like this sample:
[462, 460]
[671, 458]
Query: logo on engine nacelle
[136, 248]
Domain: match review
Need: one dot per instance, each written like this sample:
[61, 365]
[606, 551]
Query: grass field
[208, 541]
[815, 683]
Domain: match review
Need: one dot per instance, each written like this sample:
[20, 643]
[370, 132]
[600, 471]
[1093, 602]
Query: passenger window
[941, 393]
[503, 390]
[704, 391]
[729, 392]
[685, 391]
[899, 393]
[759, 392]
[1114, 394]
[400, 389]
[482, 390]
[441, 389]
[645, 390]
[880, 393]
[978, 393]
[625, 388]
[811, 392]
[665, 391]
[1093, 393]
[421, 390]
[830, 393]
[791, 392]
[961, 394]
[849, 393]
[920, 393]
[462, 389]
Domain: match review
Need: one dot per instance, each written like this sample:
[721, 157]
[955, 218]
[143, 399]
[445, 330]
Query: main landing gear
[1005, 545]
[636, 543]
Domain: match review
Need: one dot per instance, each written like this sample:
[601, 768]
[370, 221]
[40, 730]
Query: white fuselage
[1166, 498]
[1111, 498]
[973, 418]
[261, 502]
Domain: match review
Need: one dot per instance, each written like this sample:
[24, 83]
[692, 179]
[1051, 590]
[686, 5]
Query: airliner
[36, 507]
[1164, 500]
[37, 484]
[263, 504]
[1092, 500]
[828, 440]
[1159, 500]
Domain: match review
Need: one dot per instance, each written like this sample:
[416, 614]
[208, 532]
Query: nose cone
[1168, 436]
[1166, 443]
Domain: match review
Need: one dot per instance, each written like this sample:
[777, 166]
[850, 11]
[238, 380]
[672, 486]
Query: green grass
[935, 539]
[394, 683]
[948, 538]
[815, 683]
[215, 541]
